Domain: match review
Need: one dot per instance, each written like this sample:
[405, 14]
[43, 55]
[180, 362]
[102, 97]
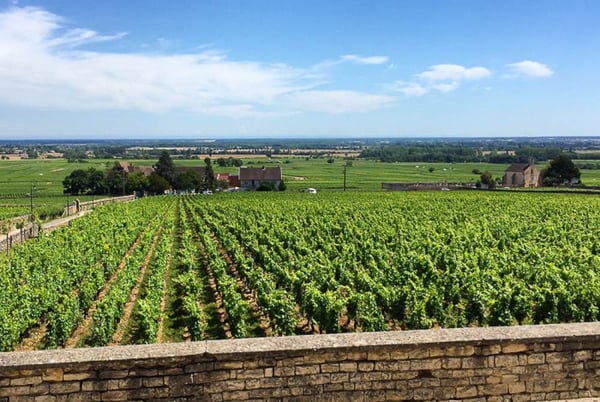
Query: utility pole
[31, 201]
[346, 165]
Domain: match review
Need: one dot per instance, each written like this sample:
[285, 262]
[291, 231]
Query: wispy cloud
[440, 78]
[371, 60]
[44, 64]
[453, 72]
[409, 88]
[326, 65]
[449, 87]
[78, 37]
[528, 68]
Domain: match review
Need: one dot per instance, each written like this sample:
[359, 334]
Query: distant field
[367, 175]
[45, 176]
[18, 176]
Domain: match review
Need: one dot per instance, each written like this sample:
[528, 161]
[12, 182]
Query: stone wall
[426, 186]
[18, 236]
[73, 208]
[526, 363]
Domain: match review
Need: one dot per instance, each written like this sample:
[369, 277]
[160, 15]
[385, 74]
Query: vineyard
[170, 269]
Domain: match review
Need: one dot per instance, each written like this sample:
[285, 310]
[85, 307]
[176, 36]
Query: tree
[561, 170]
[166, 168]
[91, 181]
[75, 155]
[223, 184]
[210, 183]
[266, 186]
[188, 180]
[222, 162]
[157, 184]
[183, 182]
[136, 181]
[96, 181]
[487, 179]
[116, 178]
[76, 182]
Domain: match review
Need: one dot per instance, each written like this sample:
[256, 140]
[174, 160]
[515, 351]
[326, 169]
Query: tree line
[118, 181]
[448, 153]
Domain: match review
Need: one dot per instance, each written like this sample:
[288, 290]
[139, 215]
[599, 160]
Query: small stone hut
[522, 175]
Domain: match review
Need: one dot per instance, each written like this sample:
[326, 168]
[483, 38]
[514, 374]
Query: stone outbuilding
[522, 175]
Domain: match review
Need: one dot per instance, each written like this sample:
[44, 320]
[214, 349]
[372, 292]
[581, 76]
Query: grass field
[18, 177]
[44, 176]
[367, 175]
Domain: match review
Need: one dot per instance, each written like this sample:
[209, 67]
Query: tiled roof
[518, 167]
[265, 173]
[126, 166]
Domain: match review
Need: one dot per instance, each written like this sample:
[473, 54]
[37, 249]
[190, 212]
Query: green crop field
[175, 268]
[363, 175]
[18, 177]
[44, 176]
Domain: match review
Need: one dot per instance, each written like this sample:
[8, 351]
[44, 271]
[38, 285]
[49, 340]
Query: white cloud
[371, 60]
[78, 37]
[446, 87]
[453, 72]
[337, 102]
[409, 88]
[528, 68]
[349, 58]
[42, 64]
[440, 78]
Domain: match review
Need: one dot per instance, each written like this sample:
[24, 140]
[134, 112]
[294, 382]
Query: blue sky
[222, 69]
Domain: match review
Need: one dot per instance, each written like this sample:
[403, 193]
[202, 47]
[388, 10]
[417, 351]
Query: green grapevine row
[148, 306]
[233, 302]
[275, 302]
[189, 283]
[110, 307]
[75, 261]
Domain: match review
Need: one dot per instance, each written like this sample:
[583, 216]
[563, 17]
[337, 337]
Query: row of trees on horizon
[117, 181]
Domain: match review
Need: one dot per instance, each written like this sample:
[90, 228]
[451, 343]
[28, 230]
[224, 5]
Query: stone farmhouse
[129, 168]
[252, 178]
[522, 175]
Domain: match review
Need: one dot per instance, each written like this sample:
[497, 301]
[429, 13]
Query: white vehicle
[311, 190]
